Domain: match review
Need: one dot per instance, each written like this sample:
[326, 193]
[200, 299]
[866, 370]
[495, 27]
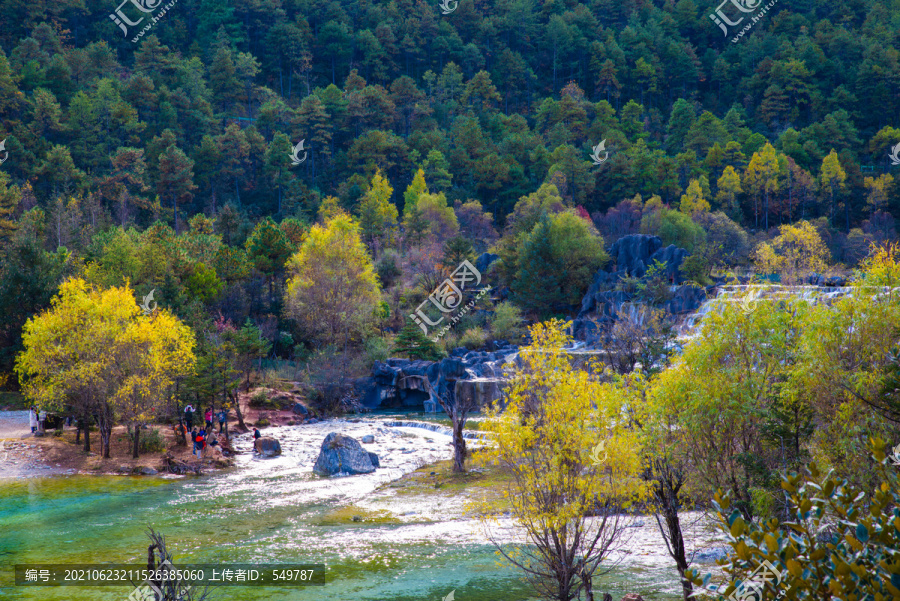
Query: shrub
[388, 268]
[673, 227]
[260, 399]
[473, 338]
[840, 542]
[506, 323]
[377, 349]
[152, 441]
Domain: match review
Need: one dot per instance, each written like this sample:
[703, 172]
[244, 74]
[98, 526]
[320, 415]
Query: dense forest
[167, 162]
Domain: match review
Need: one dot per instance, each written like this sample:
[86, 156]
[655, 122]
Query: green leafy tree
[556, 262]
[413, 343]
[268, 248]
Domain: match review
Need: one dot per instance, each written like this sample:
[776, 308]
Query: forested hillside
[160, 161]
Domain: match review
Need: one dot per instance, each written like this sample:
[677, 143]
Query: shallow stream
[276, 511]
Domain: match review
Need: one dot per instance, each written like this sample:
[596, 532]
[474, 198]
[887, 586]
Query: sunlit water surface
[276, 511]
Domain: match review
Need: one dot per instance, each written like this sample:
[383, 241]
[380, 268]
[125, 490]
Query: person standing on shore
[223, 415]
[189, 417]
[208, 416]
[42, 417]
[32, 420]
[194, 436]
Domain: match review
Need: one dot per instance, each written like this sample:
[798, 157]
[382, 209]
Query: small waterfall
[750, 293]
[436, 428]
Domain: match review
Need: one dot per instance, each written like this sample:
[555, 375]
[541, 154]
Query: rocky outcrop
[404, 383]
[266, 446]
[634, 254]
[343, 454]
[484, 261]
[632, 257]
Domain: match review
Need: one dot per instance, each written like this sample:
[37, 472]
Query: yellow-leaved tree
[575, 466]
[797, 251]
[693, 200]
[154, 351]
[333, 290]
[377, 214]
[94, 353]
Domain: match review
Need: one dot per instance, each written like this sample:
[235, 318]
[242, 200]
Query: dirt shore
[23, 455]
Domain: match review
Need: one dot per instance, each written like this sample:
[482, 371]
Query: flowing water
[276, 511]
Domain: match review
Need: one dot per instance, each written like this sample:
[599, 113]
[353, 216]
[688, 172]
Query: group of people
[36, 419]
[221, 417]
[201, 437]
[200, 441]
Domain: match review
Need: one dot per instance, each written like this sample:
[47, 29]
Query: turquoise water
[267, 511]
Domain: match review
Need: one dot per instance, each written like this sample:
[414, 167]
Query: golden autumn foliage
[333, 290]
[575, 464]
[95, 351]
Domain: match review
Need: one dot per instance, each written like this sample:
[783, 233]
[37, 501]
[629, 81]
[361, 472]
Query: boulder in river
[342, 454]
[367, 439]
[374, 459]
[266, 446]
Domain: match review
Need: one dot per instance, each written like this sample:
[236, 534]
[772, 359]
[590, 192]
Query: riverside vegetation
[159, 247]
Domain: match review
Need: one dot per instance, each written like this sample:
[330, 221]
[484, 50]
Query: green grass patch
[489, 481]
[13, 401]
[351, 513]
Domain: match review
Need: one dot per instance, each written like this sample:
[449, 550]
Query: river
[276, 511]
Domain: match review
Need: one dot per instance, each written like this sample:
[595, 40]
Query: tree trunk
[667, 483]
[459, 444]
[183, 428]
[237, 410]
[105, 424]
[137, 436]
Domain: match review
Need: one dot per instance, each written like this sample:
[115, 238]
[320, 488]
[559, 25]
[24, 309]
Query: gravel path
[14, 424]
[20, 456]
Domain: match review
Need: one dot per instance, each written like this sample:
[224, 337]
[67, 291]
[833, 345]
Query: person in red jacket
[208, 417]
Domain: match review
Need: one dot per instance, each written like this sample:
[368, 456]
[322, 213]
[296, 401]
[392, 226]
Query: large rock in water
[267, 446]
[342, 454]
